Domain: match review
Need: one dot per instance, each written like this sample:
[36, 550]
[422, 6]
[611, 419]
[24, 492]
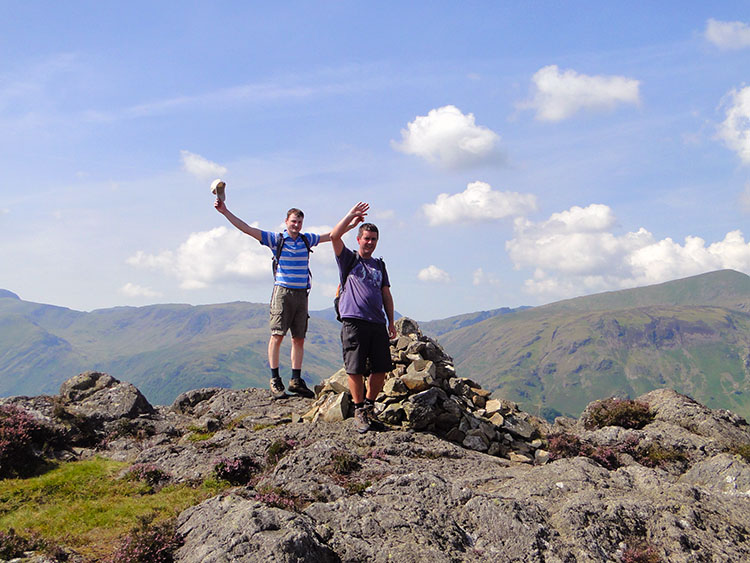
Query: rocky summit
[455, 474]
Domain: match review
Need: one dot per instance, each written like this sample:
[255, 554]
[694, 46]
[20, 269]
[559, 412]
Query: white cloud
[559, 95]
[574, 252]
[735, 129]
[480, 277]
[479, 202]
[728, 35]
[134, 290]
[200, 167]
[447, 137]
[433, 274]
[211, 257]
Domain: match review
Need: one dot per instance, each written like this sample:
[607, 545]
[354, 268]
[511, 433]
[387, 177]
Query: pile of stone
[423, 393]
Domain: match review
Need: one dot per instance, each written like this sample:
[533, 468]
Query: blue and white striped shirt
[294, 262]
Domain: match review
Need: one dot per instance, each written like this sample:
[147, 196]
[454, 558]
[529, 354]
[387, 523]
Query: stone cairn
[423, 393]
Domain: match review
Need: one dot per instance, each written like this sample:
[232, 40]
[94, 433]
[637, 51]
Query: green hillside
[723, 288]
[692, 335]
[162, 349]
[442, 326]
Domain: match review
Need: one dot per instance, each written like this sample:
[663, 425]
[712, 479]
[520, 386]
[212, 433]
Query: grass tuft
[83, 505]
[279, 449]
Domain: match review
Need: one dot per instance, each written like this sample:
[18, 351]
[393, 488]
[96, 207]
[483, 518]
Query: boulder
[336, 408]
[100, 396]
[268, 534]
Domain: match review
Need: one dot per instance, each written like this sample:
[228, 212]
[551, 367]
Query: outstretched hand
[360, 210]
[355, 221]
[357, 214]
[220, 206]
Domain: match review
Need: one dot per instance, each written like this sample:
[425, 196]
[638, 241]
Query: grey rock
[187, 401]
[102, 397]
[476, 442]
[230, 529]
[680, 410]
[518, 427]
[723, 473]
[393, 414]
[406, 326]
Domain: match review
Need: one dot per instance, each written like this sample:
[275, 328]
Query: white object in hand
[217, 188]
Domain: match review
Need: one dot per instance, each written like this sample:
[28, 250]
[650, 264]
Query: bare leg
[375, 385]
[357, 388]
[274, 345]
[298, 351]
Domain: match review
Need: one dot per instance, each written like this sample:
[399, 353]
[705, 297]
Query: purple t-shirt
[361, 296]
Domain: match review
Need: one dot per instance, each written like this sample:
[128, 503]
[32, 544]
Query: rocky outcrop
[430, 487]
[91, 407]
[100, 396]
[424, 393]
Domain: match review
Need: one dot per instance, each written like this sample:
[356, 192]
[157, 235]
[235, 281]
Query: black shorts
[362, 341]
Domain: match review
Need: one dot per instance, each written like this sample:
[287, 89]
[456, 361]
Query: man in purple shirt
[366, 309]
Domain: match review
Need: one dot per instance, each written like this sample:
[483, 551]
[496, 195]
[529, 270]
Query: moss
[742, 450]
[655, 455]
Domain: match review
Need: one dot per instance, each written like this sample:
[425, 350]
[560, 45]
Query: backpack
[378, 261]
[279, 249]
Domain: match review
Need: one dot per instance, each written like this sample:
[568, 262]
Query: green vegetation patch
[625, 413]
[742, 450]
[85, 506]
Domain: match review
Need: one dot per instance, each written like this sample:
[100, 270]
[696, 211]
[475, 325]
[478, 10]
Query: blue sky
[513, 153]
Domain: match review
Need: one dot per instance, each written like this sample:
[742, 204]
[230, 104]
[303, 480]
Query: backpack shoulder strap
[381, 264]
[307, 243]
[278, 251]
[345, 275]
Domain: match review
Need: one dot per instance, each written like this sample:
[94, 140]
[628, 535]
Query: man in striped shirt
[289, 299]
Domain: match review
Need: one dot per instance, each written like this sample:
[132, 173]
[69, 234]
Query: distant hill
[722, 288]
[162, 349]
[692, 335]
[443, 326]
[330, 315]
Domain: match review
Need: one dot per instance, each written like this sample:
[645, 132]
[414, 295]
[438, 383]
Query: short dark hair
[367, 227]
[295, 211]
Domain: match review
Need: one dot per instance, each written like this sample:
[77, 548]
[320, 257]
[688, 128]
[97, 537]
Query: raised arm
[388, 306]
[237, 222]
[355, 216]
[327, 236]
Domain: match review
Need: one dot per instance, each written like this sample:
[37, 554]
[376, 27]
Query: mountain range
[692, 335]
[162, 349]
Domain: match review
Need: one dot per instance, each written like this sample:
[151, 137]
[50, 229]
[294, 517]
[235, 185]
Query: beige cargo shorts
[288, 311]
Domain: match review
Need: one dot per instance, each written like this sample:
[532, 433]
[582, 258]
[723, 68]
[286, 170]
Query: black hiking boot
[277, 389]
[375, 424]
[298, 387]
[361, 420]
